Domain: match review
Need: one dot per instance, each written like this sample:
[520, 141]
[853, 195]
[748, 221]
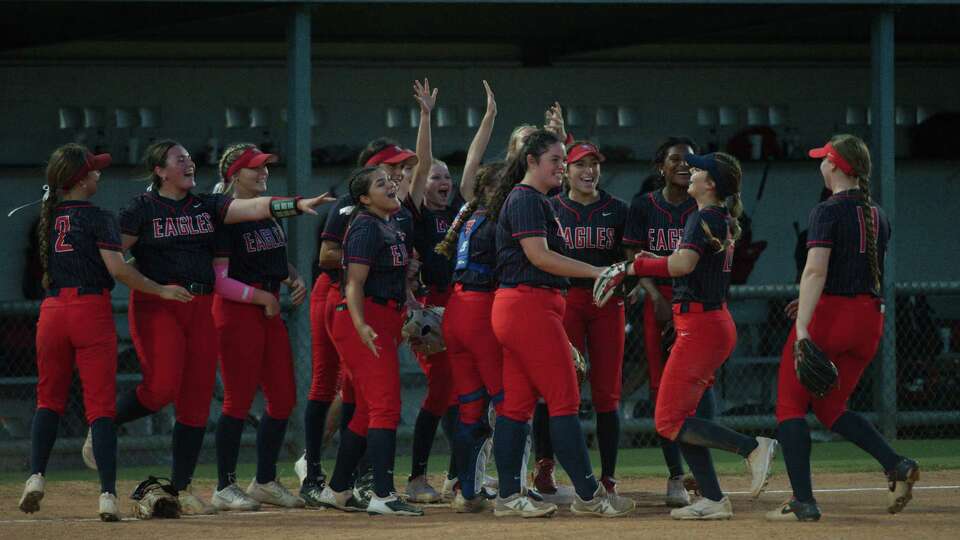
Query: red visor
[582, 150]
[390, 155]
[93, 162]
[830, 153]
[251, 158]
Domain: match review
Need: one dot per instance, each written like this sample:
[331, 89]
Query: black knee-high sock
[608, 440]
[424, 432]
[701, 465]
[571, 450]
[346, 414]
[509, 438]
[794, 437]
[382, 449]
[542, 444]
[229, 432]
[467, 443]
[187, 442]
[269, 441]
[43, 433]
[314, 423]
[700, 432]
[105, 452]
[362, 463]
[449, 425]
[858, 430]
[129, 409]
[352, 447]
[707, 408]
[671, 455]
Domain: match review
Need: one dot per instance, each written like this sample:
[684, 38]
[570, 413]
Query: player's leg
[606, 335]
[324, 383]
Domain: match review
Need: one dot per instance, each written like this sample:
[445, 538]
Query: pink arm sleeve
[230, 288]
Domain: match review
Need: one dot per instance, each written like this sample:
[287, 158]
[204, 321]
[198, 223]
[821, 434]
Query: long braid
[871, 230]
[43, 232]
[856, 153]
[485, 176]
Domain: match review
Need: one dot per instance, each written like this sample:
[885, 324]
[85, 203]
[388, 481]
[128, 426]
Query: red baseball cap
[93, 162]
[391, 155]
[251, 158]
[581, 150]
[828, 151]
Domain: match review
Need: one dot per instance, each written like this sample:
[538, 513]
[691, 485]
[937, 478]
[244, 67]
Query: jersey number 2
[62, 225]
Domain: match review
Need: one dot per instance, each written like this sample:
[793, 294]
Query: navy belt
[698, 307]
[196, 289]
[81, 291]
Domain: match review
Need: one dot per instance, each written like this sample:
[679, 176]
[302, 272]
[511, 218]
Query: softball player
[527, 318]
[840, 309]
[80, 256]
[170, 231]
[655, 224]
[366, 330]
[592, 226]
[251, 265]
[706, 334]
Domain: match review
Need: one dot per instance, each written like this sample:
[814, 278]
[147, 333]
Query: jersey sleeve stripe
[538, 232]
[359, 260]
[331, 236]
[633, 242]
[694, 247]
[111, 247]
[816, 243]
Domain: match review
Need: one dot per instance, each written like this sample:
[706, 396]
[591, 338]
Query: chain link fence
[924, 401]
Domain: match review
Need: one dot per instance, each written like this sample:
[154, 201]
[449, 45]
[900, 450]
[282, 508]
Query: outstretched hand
[554, 121]
[491, 101]
[426, 97]
[307, 206]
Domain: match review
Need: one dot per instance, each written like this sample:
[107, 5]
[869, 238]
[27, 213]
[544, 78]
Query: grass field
[839, 457]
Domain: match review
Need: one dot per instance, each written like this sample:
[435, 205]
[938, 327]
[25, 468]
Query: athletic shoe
[310, 492]
[759, 464]
[300, 467]
[363, 489]
[109, 510]
[794, 510]
[523, 506]
[273, 493]
[603, 504]
[32, 493]
[677, 494]
[451, 486]
[233, 498]
[900, 480]
[341, 500]
[86, 452]
[392, 506]
[191, 505]
[705, 509]
[543, 479]
[610, 484]
[475, 505]
[419, 490]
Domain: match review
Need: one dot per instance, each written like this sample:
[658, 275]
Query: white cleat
[419, 490]
[32, 493]
[523, 506]
[392, 506]
[705, 509]
[273, 493]
[603, 504]
[677, 494]
[191, 505]
[450, 489]
[759, 463]
[109, 509]
[300, 467]
[233, 498]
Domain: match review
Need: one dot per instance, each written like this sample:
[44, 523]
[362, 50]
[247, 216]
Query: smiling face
[584, 175]
[381, 196]
[251, 182]
[178, 170]
[700, 183]
[439, 185]
[674, 168]
[546, 171]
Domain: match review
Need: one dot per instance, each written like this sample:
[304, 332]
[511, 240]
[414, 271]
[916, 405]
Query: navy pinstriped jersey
[479, 236]
[175, 238]
[336, 228]
[78, 231]
[593, 232]
[839, 223]
[257, 251]
[526, 213]
[430, 227]
[403, 222]
[374, 242]
[655, 225]
[710, 279]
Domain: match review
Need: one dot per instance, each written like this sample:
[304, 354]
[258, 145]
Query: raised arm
[427, 99]
[258, 208]
[478, 147]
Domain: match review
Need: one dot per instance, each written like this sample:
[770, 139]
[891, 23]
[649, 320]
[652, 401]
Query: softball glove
[814, 370]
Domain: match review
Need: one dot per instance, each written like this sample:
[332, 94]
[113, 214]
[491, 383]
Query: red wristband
[651, 267]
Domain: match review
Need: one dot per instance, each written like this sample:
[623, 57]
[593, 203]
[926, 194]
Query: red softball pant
[441, 393]
[347, 394]
[474, 353]
[528, 323]
[652, 341]
[600, 332]
[704, 341]
[177, 347]
[325, 361]
[848, 330]
[77, 330]
[376, 379]
[254, 351]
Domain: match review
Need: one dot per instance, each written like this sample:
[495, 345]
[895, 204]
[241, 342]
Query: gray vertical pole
[298, 182]
[882, 79]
